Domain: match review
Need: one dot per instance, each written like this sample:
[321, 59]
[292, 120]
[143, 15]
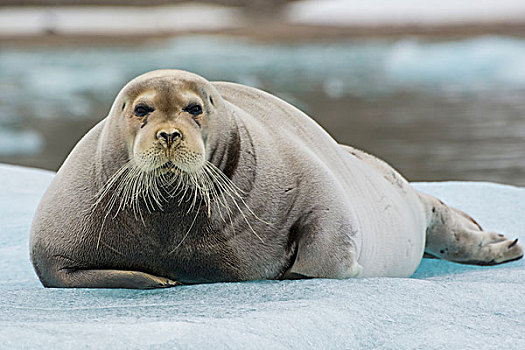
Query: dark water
[434, 110]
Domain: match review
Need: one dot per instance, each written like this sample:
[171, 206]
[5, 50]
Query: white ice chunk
[20, 142]
[404, 12]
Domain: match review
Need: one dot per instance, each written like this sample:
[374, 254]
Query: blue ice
[443, 306]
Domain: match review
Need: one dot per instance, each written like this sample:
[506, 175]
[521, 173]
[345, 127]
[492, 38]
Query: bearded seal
[191, 181]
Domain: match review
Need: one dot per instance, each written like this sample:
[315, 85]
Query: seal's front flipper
[71, 278]
[323, 253]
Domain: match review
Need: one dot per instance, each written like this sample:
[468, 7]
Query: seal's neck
[225, 152]
[225, 147]
[111, 151]
[230, 148]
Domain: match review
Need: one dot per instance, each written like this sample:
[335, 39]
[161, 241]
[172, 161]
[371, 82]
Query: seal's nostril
[163, 135]
[169, 137]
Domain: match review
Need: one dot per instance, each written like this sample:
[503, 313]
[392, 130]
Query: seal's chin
[170, 168]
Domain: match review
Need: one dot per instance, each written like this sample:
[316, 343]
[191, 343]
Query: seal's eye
[142, 110]
[193, 109]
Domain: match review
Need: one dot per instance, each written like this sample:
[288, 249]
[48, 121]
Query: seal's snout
[168, 137]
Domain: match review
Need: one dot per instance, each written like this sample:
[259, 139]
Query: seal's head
[166, 118]
[158, 143]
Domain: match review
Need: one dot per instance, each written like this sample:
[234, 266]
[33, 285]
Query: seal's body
[188, 181]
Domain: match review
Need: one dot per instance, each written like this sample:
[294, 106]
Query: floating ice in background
[114, 20]
[179, 18]
[74, 82]
[435, 109]
[404, 12]
[13, 142]
[444, 305]
[479, 83]
[469, 65]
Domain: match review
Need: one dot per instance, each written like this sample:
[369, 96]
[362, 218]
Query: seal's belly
[391, 223]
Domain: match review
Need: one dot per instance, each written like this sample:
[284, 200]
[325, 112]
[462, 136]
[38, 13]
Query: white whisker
[135, 189]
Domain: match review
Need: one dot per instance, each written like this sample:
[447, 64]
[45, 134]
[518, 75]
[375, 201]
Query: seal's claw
[513, 243]
[171, 283]
[513, 252]
[167, 283]
[163, 282]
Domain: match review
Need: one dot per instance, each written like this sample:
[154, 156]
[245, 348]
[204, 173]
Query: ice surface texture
[444, 305]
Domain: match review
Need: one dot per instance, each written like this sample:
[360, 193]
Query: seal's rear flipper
[453, 235]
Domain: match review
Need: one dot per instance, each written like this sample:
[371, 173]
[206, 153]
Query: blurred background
[435, 87]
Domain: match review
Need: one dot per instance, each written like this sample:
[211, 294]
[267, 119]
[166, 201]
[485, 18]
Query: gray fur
[309, 208]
